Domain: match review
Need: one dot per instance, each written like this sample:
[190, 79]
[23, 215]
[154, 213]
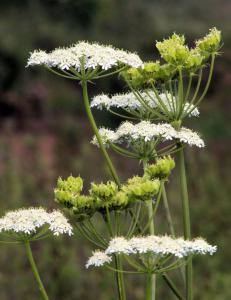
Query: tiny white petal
[131, 101]
[98, 259]
[128, 132]
[160, 245]
[29, 220]
[119, 245]
[94, 55]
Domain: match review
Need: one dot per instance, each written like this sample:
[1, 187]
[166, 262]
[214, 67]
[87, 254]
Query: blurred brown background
[44, 134]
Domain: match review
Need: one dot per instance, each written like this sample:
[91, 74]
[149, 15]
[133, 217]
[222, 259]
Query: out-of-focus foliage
[45, 134]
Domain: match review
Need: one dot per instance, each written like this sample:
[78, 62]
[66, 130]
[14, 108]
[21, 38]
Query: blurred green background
[44, 134]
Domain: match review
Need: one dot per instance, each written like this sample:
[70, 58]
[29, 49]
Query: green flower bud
[120, 200]
[151, 67]
[83, 208]
[72, 184]
[211, 43]
[141, 188]
[166, 72]
[195, 60]
[103, 193]
[68, 190]
[67, 194]
[133, 76]
[104, 190]
[64, 198]
[173, 50]
[161, 169]
[83, 203]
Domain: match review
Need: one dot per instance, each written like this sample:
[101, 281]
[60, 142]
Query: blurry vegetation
[44, 134]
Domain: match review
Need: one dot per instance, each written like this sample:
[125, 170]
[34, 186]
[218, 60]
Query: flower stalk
[118, 264]
[35, 270]
[96, 132]
[186, 222]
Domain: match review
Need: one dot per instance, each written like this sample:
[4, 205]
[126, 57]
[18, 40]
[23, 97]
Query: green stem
[152, 232]
[186, 220]
[208, 81]
[96, 132]
[149, 285]
[119, 275]
[180, 94]
[172, 286]
[189, 88]
[166, 206]
[35, 270]
[120, 278]
[153, 212]
[197, 87]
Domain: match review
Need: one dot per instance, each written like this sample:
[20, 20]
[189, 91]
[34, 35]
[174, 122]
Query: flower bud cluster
[141, 188]
[161, 169]
[211, 43]
[148, 74]
[68, 194]
[103, 196]
[178, 56]
[173, 50]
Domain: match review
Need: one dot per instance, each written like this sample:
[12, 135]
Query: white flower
[94, 55]
[59, 224]
[98, 259]
[160, 245]
[200, 246]
[187, 136]
[106, 135]
[128, 132]
[130, 101]
[38, 57]
[31, 219]
[119, 245]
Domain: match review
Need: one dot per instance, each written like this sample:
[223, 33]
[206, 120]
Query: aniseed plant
[161, 95]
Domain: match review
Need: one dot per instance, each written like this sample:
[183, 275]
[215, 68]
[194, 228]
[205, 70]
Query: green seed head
[211, 43]
[161, 169]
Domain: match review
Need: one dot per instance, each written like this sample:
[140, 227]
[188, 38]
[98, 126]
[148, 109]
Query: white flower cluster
[131, 102]
[157, 245]
[98, 259]
[94, 55]
[31, 219]
[128, 132]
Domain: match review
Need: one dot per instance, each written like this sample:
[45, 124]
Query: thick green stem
[96, 132]
[149, 285]
[120, 278]
[167, 209]
[152, 232]
[119, 275]
[186, 220]
[35, 270]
